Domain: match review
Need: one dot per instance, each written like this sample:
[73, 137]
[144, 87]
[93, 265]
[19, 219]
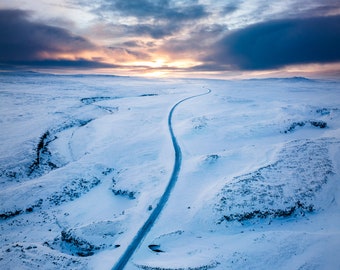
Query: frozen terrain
[104, 172]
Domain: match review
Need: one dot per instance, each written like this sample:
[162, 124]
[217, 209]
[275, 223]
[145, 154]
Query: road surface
[143, 231]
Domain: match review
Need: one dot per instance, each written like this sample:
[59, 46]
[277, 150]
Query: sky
[172, 38]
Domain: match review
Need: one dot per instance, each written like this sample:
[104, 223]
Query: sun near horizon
[204, 38]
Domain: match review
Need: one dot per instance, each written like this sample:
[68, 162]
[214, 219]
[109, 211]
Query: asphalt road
[143, 231]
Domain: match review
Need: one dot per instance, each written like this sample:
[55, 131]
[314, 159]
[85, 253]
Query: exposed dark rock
[43, 155]
[124, 193]
[212, 158]
[155, 248]
[74, 190]
[148, 95]
[323, 111]
[288, 187]
[44, 161]
[9, 214]
[319, 124]
[13, 213]
[298, 209]
[294, 125]
[90, 100]
[83, 247]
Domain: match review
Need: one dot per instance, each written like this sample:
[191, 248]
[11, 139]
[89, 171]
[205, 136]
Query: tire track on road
[143, 231]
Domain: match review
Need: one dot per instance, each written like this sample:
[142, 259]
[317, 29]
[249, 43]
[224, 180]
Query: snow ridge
[268, 193]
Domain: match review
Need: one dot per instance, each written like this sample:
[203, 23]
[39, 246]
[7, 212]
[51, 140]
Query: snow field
[227, 139]
[84, 160]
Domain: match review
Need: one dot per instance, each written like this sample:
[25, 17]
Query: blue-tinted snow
[85, 159]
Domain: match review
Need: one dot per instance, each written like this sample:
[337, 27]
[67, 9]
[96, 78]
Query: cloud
[156, 31]
[315, 8]
[138, 44]
[201, 38]
[231, 7]
[278, 43]
[148, 18]
[122, 54]
[59, 63]
[157, 9]
[24, 42]
[117, 32]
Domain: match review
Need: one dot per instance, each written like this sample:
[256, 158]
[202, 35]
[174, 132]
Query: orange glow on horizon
[162, 66]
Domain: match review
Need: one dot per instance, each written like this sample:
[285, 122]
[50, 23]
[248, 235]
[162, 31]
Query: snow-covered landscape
[106, 172]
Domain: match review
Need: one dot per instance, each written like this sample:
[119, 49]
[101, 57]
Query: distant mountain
[290, 79]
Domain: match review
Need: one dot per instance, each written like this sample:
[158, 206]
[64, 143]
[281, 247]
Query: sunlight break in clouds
[172, 37]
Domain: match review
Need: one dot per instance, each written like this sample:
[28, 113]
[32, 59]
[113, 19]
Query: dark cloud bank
[26, 43]
[278, 43]
[267, 45]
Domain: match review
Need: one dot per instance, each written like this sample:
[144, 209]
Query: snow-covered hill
[85, 160]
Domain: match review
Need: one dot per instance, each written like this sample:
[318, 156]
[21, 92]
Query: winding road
[143, 231]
